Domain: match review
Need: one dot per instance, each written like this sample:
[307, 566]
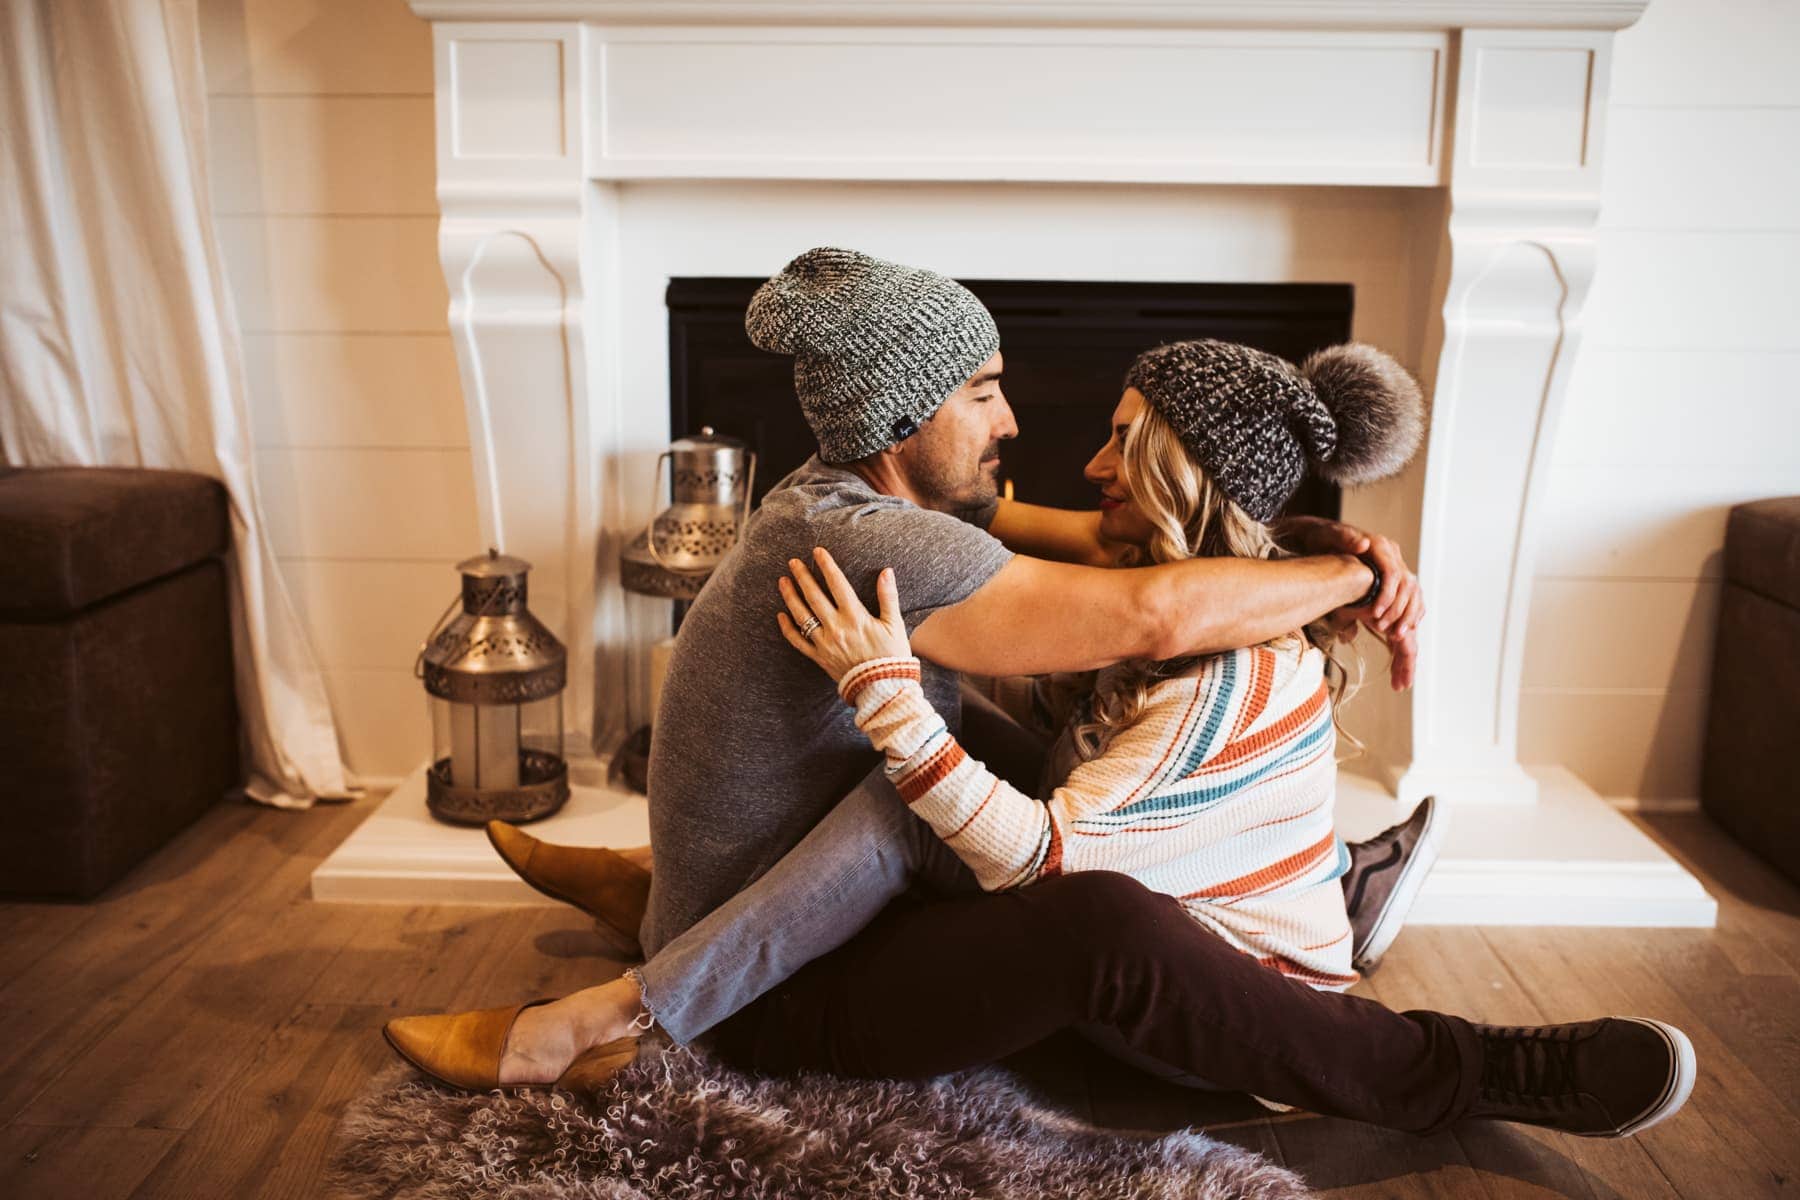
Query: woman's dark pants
[940, 984]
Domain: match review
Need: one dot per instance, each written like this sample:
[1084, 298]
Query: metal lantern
[495, 676]
[712, 477]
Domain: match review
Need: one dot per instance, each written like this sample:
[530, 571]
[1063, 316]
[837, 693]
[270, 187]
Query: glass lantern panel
[440, 728]
[484, 745]
[540, 725]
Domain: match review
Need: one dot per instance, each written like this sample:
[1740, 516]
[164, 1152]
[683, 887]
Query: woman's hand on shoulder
[839, 632]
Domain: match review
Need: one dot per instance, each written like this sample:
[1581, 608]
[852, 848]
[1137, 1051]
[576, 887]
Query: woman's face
[1120, 518]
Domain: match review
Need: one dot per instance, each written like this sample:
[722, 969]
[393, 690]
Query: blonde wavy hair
[1191, 517]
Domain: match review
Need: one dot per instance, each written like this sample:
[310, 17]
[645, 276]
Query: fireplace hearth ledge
[548, 112]
[1494, 869]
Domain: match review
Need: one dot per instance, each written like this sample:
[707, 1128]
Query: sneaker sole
[1400, 901]
[1679, 1087]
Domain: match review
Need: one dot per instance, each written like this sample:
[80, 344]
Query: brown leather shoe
[601, 884]
[464, 1049]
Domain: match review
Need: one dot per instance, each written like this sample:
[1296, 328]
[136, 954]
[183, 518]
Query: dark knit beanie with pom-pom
[1254, 420]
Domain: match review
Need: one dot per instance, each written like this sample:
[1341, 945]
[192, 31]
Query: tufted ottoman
[117, 720]
[1750, 782]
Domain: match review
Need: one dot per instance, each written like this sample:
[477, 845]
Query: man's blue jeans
[865, 853]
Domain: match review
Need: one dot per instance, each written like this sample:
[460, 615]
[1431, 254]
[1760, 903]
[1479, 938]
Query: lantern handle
[436, 626]
[656, 498]
[419, 659]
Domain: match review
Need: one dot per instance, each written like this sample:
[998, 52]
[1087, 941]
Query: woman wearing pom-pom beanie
[1209, 780]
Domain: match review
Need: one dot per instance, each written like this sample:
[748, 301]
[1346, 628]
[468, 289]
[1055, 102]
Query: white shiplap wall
[1686, 399]
[323, 176]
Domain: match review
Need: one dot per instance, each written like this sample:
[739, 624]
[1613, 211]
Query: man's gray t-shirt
[752, 745]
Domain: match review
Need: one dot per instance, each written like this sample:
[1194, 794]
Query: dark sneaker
[1384, 878]
[1609, 1078]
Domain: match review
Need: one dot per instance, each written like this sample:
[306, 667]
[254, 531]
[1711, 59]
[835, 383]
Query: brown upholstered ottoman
[117, 720]
[1750, 783]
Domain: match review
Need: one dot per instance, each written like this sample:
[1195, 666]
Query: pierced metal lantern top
[709, 468]
[493, 584]
[494, 651]
[712, 481]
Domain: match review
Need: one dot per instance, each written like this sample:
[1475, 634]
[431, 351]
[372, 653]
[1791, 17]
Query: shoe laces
[1527, 1061]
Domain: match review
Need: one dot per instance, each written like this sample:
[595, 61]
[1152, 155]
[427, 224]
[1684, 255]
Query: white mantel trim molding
[1117, 14]
[544, 107]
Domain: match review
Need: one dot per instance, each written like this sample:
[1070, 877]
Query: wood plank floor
[197, 1031]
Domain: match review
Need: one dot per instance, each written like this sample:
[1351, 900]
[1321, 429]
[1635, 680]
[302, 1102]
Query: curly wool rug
[682, 1125]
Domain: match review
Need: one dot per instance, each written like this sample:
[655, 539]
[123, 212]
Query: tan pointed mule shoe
[605, 886]
[463, 1050]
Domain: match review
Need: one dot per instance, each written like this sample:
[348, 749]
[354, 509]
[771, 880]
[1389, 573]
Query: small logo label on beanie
[904, 428]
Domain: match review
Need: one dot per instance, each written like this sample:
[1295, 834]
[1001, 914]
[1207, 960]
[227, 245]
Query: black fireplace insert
[1067, 346]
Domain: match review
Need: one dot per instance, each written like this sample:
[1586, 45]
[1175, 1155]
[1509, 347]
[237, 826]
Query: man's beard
[954, 488]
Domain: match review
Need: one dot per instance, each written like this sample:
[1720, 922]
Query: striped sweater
[1219, 794]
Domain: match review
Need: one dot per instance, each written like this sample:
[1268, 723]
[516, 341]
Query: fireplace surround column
[524, 242]
[1524, 171]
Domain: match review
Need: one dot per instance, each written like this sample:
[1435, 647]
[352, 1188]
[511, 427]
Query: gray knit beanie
[1254, 421]
[877, 346]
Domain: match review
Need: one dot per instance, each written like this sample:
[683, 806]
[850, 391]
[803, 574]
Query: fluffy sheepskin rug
[683, 1125]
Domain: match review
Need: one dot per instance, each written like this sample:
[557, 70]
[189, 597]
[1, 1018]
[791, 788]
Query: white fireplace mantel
[549, 113]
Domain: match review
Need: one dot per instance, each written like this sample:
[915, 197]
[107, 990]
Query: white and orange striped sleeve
[1009, 839]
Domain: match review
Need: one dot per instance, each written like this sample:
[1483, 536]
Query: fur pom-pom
[1378, 409]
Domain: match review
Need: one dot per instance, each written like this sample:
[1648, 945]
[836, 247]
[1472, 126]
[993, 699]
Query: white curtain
[118, 342]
